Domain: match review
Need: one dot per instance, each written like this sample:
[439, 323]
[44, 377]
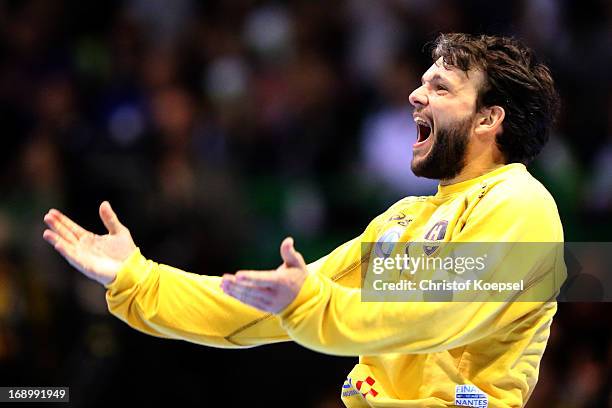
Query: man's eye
[441, 88]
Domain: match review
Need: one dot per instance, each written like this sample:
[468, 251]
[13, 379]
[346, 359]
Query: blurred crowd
[217, 128]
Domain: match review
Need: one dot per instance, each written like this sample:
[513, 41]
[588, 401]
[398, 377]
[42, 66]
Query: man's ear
[489, 120]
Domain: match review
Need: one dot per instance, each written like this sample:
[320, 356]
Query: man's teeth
[424, 129]
[422, 122]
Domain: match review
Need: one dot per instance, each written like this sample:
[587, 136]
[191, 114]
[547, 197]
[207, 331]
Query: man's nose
[418, 97]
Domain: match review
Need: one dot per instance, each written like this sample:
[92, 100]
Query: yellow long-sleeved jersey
[411, 354]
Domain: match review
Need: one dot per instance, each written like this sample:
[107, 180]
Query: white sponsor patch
[470, 396]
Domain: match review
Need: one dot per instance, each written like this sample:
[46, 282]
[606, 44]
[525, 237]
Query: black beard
[446, 158]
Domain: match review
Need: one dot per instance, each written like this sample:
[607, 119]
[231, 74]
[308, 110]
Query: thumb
[109, 218]
[290, 256]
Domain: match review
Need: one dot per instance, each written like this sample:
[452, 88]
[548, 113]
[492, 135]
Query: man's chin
[443, 157]
[418, 171]
[419, 166]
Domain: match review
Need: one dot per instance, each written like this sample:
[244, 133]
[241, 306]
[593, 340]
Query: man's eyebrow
[436, 77]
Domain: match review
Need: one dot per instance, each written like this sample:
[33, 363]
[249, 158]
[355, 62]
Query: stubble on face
[447, 155]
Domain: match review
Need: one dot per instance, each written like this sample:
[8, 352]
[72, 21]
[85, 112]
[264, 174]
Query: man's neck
[472, 171]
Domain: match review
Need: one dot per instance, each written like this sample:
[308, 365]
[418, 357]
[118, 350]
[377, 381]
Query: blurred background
[216, 129]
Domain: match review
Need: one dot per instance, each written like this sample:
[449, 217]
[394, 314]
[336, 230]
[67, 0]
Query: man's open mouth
[423, 130]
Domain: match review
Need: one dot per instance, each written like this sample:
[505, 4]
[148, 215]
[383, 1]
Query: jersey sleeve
[332, 319]
[164, 301]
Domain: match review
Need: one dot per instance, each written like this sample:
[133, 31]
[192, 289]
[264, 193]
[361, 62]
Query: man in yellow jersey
[483, 111]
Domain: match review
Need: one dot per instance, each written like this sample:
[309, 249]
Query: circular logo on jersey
[386, 243]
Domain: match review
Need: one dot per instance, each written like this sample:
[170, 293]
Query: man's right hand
[98, 257]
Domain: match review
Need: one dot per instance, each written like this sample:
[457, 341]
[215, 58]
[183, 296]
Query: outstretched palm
[270, 291]
[98, 257]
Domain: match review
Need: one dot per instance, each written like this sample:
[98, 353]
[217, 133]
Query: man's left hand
[269, 291]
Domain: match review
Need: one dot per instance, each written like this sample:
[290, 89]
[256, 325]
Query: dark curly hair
[514, 80]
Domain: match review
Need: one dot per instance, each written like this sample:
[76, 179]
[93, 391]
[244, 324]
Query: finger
[59, 228]
[263, 306]
[109, 218]
[65, 248]
[244, 281]
[247, 294]
[226, 280]
[75, 228]
[258, 279]
[228, 276]
[251, 296]
[290, 256]
[50, 236]
[245, 288]
[258, 304]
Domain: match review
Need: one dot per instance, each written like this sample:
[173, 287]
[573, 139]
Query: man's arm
[332, 319]
[167, 302]
[164, 301]
[154, 298]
